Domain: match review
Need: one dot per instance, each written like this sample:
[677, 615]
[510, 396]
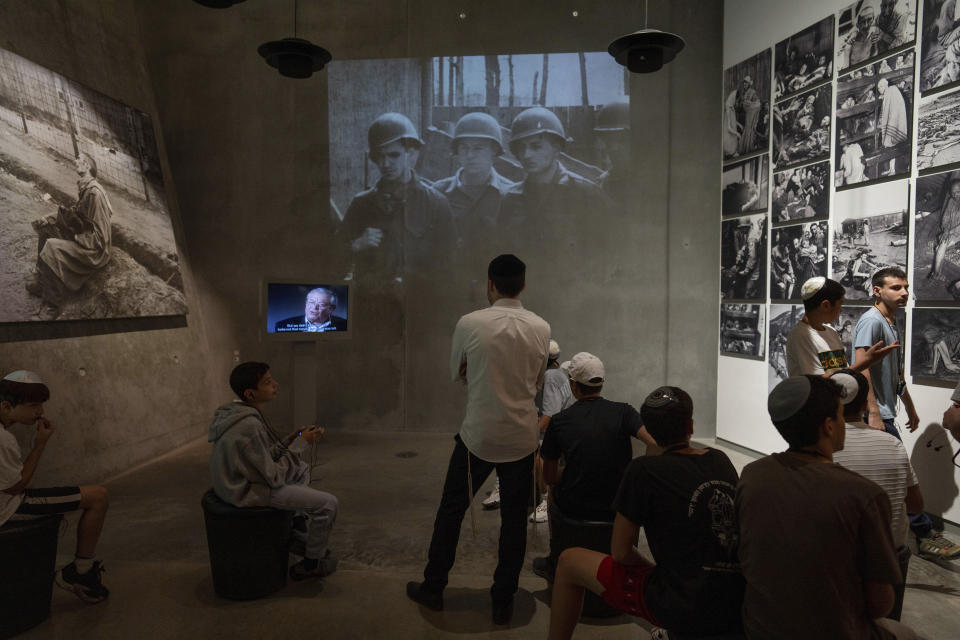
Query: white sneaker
[493, 500]
[540, 513]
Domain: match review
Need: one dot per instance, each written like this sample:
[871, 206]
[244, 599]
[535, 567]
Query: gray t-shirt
[884, 375]
[556, 395]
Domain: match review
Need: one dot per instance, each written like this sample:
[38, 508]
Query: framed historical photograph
[797, 254]
[801, 128]
[935, 347]
[804, 60]
[783, 318]
[870, 232]
[743, 264]
[938, 131]
[746, 107]
[801, 194]
[936, 239]
[874, 121]
[940, 46]
[745, 186]
[870, 29]
[86, 223]
[743, 329]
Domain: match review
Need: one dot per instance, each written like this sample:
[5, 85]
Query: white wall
[751, 26]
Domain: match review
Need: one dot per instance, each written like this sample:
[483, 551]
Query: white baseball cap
[587, 369]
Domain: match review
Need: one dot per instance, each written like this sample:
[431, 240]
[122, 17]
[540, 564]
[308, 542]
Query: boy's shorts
[49, 500]
[623, 587]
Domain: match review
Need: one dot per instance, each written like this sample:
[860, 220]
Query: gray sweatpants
[320, 506]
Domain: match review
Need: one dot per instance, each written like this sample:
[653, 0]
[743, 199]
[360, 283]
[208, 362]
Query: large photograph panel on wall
[746, 106]
[868, 29]
[874, 122]
[938, 131]
[805, 59]
[797, 254]
[870, 229]
[745, 186]
[83, 207]
[801, 194]
[743, 264]
[940, 45]
[935, 347]
[936, 245]
[801, 128]
[783, 318]
[742, 330]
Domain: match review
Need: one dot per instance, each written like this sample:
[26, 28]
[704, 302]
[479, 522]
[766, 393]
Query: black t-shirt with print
[685, 505]
[593, 435]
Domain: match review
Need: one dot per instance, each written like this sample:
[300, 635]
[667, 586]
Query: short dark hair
[23, 392]
[802, 429]
[587, 389]
[666, 413]
[508, 273]
[831, 292]
[855, 408]
[879, 278]
[247, 375]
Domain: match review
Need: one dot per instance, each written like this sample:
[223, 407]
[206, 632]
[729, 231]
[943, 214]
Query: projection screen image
[439, 164]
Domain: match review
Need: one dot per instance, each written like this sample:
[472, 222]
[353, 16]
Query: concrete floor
[155, 553]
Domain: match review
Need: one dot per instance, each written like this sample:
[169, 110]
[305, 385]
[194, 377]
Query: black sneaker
[428, 599]
[325, 566]
[502, 611]
[544, 568]
[86, 586]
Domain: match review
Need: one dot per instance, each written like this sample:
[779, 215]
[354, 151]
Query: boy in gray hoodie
[251, 467]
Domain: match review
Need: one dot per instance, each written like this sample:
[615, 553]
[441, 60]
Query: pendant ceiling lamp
[646, 50]
[294, 57]
[218, 4]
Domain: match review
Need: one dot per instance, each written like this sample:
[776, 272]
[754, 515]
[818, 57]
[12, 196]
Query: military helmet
[478, 125]
[534, 121]
[614, 116]
[390, 127]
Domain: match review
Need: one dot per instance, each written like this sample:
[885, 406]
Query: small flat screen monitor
[302, 311]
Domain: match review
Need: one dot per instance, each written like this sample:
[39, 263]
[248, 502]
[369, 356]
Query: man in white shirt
[500, 353]
[876, 455]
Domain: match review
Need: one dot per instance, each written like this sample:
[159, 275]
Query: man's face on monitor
[395, 161]
[318, 308]
[537, 154]
[476, 156]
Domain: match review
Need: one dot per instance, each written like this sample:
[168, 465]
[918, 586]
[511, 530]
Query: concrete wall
[248, 150]
[123, 391]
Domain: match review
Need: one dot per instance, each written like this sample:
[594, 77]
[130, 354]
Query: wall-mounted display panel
[801, 194]
[743, 264]
[805, 59]
[936, 246]
[801, 128]
[935, 347]
[743, 329]
[869, 29]
[746, 107]
[938, 131]
[939, 46]
[797, 254]
[746, 185]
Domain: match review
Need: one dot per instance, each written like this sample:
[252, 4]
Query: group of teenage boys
[720, 545]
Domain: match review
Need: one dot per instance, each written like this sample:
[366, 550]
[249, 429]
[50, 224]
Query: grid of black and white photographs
[938, 131]
[940, 46]
[935, 347]
[874, 121]
[83, 206]
[801, 128]
[743, 264]
[936, 239]
[746, 186]
[742, 329]
[805, 59]
[870, 229]
[797, 253]
[869, 29]
[801, 194]
[746, 107]
[783, 318]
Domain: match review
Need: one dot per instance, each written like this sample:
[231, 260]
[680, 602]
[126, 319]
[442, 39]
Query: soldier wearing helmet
[476, 190]
[550, 194]
[613, 137]
[392, 227]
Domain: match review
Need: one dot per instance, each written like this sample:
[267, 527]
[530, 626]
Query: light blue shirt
[884, 375]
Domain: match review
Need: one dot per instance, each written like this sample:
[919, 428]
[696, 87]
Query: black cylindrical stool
[248, 548]
[589, 534]
[28, 555]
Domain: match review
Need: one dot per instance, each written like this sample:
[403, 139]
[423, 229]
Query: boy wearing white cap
[814, 347]
[816, 547]
[22, 394]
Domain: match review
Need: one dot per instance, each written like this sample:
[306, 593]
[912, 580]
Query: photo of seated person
[683, 499]
[22, 394]
[317, 315]
[250, 466]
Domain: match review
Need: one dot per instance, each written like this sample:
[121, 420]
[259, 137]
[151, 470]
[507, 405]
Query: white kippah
[21, 375]
[849, 388]
[554, 349]
[812, 286]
